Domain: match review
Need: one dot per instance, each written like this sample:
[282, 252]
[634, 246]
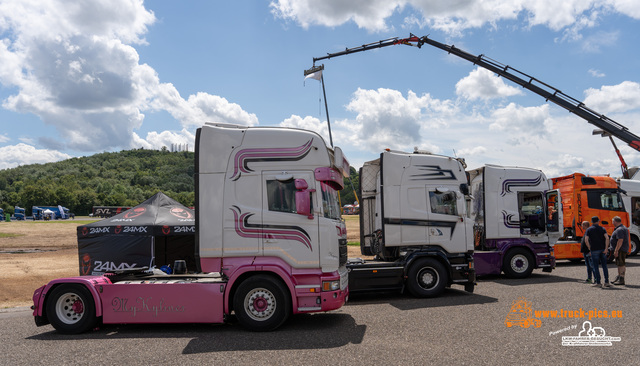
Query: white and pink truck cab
[270, 242]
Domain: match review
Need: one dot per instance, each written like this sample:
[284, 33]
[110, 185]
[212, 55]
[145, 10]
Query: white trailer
[631, 201]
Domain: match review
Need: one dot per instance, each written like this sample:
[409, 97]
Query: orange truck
[582, 198]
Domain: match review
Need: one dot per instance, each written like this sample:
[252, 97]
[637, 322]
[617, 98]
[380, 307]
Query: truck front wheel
[70, 309]
[427, 277]
[261, 303]
[517, 263]
[634, 243]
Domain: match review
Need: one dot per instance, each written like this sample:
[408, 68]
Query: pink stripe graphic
[243, 157]
[246, 230]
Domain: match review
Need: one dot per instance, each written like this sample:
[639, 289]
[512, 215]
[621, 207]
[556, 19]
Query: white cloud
[566, 163]
[366, 14]
[476, 150]
[595, 42]
[157, 140]
[4, 138]
[386, 119]
[596, 73]
[22, 154]
[484, 84]
[619, 98]
[308, 123]
[74, 66]
[530, 120]
[453, 16]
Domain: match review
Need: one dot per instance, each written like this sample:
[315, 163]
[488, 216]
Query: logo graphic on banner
[181, 213]
[85, 266]
[133, 213]
[166, 230]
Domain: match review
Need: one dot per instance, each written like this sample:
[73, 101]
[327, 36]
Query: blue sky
[121, 74]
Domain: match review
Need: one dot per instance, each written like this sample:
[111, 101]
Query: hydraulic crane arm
[550, 93]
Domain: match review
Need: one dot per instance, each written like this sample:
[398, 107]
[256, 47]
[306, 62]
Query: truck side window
[604, 200]
[281, 196]
[532, 216]
[330, 203]
[443, 203]
[635, 216]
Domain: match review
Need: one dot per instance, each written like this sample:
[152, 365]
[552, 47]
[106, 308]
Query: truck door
[554, 215]
[285, 233]
[532, 215]
[447, 226]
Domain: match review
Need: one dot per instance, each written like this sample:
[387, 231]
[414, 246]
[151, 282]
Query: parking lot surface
[553, 319]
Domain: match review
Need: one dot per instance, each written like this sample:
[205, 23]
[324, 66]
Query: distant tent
[156, 232]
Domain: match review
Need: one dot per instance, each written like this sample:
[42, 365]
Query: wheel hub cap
[260, 304]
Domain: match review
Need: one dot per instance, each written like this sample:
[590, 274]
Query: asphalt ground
[375, 329]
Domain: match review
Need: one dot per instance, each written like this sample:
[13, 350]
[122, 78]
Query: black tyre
[469, 287]
[427, 277]
[70, 309]
[262, 303]
[634, 244]
[518, 263]
[575, 260]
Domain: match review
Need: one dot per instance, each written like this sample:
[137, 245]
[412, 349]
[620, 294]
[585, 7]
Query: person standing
[597, 241]
[620, 244]
[586, 253]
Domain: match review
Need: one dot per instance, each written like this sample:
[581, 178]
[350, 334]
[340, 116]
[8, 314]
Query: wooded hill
[124, 178]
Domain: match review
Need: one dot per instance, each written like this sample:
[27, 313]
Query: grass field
[34, 253]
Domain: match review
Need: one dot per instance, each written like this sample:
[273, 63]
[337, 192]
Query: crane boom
[548, 92]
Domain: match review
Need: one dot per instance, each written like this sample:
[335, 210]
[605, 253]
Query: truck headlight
[330, 285]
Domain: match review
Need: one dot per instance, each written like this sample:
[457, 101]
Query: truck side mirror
[303, 198]
[464, 189]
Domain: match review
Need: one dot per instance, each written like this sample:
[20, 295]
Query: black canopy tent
[158, 231]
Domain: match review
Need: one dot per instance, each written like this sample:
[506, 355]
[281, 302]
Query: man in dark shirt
[597, 241]
[585, 252]
[620, 245]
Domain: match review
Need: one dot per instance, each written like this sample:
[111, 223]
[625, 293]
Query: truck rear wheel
[517, 263]
[70, 309]
[427, 277]
[261, 303]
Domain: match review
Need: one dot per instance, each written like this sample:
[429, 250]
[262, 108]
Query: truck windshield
[604, 200]
[330, 205]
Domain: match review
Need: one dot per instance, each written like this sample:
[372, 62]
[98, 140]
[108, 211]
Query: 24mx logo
[131, 229]
[99, 230]
[184, 229]
[101, 266]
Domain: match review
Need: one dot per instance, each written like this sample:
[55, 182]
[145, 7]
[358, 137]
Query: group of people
[597, 246]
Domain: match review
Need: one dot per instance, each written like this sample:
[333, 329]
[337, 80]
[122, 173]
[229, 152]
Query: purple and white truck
[270, 242]
[516, 219]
